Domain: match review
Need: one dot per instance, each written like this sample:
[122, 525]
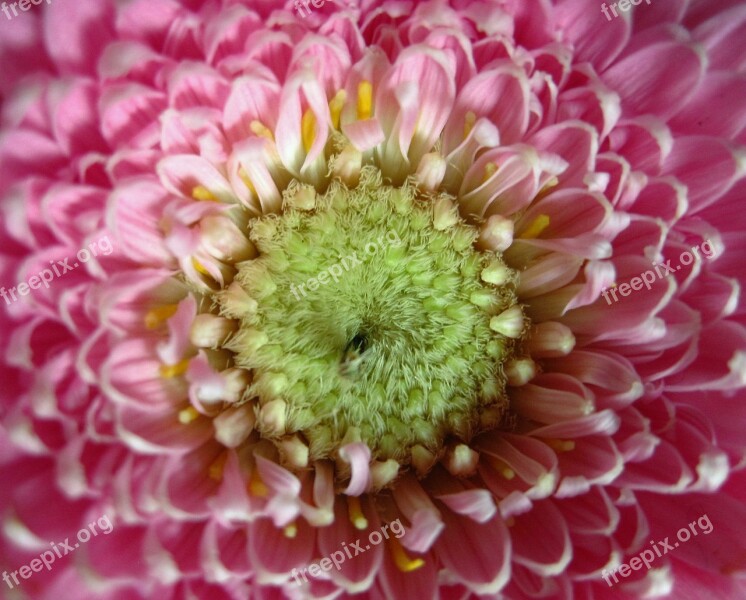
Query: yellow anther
[169, 371]
[200, 267]
[336, 105]
[188, 415]
[258, 128]
[560, 445]
[290, 531]
[308, 129]
[245, 178]
[469, 120]
[256, 485]
[501, 467]
[355, 511]
[537, 227]
[402, 560]
[200, 192]
[489, 170]
[553, 182]
[156, 316]
[364, 100]
[215, 471]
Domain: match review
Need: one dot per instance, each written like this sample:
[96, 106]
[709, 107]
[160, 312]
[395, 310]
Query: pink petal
[484, 568]
[357, 455]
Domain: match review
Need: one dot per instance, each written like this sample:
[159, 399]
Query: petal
[181, 174]
[357, 455]
[476, 504]
[657, 78]
[353, 575]
[273, 555]
[484, 568]
[88, 27]
[544, 522]
[600, 50]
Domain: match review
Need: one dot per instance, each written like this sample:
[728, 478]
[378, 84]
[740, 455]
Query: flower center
[370, 320]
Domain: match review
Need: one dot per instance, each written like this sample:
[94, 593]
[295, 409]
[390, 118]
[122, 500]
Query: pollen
[256, 485]
[188, 415]
[308, 129]
[560, 445]
[215, 470]
[489, 170]
[246, 180]
[501, 467]
[402, 560]
[155, 317]
[170, 371]
[336, 105]
[364, 100]
[469, 120]
[357, 517]
[290, 531]
[548, 186]
[200, 192]
[200, 267]
[260, 129]
[536, 228]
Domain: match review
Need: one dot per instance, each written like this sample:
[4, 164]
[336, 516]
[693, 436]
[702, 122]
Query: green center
[371, 321]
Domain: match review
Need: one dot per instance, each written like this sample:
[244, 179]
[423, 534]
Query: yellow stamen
[547, 188]
[188, 415]
[215, 471]
[200, 267]
[560, 445]
[501, 467]
[336, 105]
[200, 192]
[469, 122]
[291, 530]
[537, 227]
[256, 485]
[169, 371]
[355, 511]
[402, 560]
[364, 100]
[308, 129]
[258, 128]
[155, 316]
[245, 178]
[489, 170]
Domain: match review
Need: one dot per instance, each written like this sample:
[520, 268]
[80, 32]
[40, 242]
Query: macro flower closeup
[376, 299]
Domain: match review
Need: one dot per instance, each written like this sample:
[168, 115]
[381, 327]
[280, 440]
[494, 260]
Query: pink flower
[278, 279]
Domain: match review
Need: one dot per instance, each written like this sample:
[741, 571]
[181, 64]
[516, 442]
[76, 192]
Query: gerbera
[345, 281]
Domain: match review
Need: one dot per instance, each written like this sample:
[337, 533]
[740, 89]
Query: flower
[239, 417]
